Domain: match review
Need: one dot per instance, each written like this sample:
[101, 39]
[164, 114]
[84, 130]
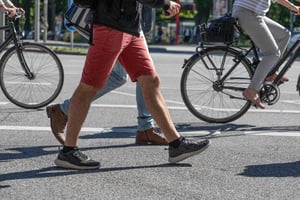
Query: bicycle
[214, 77]
[31, 75]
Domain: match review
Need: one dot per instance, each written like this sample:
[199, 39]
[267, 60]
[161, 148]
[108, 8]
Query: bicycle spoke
[45, 84]
[212, 85]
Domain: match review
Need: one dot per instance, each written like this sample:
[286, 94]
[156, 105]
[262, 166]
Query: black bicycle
[31, 75]
[214, 77]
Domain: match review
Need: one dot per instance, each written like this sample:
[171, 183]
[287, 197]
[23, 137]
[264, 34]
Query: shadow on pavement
[36, 151]
[291, 169]
[224, 130]
[9, 114]
[55, 171]
[231, 129]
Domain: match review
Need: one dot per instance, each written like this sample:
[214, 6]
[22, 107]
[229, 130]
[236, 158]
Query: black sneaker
[186, 149]
[75, 159]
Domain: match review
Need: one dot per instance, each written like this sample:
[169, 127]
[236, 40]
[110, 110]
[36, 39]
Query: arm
[290, 6]
[171, 8]
[155, 4]
[8, 6]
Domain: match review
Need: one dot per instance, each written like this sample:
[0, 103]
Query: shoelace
[81, 156]
[190, 142]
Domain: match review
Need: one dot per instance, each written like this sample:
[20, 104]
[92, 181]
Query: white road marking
[186, 133]
[275, 133]
[185, 108]
[131, 106]
[27, 83]
[42, 128]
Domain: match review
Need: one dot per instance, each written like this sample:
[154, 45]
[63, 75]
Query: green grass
[62, 49]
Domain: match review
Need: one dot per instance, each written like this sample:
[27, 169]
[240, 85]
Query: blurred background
[45, 21]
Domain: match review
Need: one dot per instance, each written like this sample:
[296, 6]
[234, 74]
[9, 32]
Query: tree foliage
[282, 15]
[202, 13]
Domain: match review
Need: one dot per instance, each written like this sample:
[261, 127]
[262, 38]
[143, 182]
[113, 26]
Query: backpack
[85, 3]
[81, 19]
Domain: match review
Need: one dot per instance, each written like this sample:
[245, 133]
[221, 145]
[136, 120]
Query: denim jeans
[117, 78]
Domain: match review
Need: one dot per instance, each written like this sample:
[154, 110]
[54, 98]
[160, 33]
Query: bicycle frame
[17, 43]
[215, 77]
[293, 52]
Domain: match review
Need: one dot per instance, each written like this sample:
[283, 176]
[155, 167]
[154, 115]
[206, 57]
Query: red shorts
[108, 46]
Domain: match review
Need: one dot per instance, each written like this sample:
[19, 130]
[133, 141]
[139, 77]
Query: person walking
[146, 129]
[269, 36]
[116, 35]
[186, 35]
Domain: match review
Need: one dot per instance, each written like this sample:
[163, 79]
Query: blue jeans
[117, 78]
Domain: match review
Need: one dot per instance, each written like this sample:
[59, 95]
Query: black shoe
[75, 159]
[186, 149]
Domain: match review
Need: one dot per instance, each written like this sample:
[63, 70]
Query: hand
[22, 11]
[173, 9]
[12, 11]
[297, 11]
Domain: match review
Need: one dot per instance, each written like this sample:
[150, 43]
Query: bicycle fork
[298, 85]
[19, 50]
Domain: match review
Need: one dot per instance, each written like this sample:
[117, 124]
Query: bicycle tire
[48, 76]
[203, 91]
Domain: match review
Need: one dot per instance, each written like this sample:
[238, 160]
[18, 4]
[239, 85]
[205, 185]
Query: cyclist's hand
[11, 11]
[21, 10]
[297, 12]
[173, 9]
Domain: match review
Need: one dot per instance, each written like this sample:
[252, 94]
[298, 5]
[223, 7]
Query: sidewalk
[172, 48]
[152, 47]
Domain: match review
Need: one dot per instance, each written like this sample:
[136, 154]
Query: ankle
[67, 149]
[177, 142]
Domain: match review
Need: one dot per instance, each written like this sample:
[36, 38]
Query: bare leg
[79, 107]
[156, 105]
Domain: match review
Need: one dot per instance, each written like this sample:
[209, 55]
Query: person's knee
[86, 90]
[117, 79]
[285, 37]
[121, 80]
[272, 53]
[156, 81]
[149, 82]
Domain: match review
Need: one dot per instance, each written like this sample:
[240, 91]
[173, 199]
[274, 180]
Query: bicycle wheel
[212, 83]
[43, 87]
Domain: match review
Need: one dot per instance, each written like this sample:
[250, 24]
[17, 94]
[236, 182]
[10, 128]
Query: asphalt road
[255, 157]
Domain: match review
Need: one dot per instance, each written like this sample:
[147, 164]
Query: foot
[273, 77]
[150, 137]
[252, 96]
[58, 121]
[186, 149]
[75, 159]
